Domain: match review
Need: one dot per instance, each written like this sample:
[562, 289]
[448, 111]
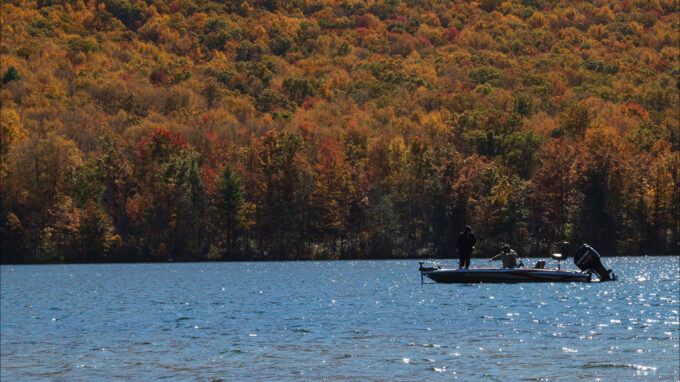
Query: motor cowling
[587, 259]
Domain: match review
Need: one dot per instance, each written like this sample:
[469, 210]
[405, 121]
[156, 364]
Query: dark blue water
[354, 320]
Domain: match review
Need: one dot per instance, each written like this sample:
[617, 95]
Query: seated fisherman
[509, 257]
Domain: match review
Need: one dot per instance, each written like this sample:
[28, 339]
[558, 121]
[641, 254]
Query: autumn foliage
[149, 130]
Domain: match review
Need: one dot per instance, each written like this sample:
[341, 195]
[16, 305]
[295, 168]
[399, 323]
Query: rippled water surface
[342, 320]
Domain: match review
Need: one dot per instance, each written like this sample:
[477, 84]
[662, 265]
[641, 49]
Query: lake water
[339, 320]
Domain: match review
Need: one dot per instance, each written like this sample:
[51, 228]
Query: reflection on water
[359, 320]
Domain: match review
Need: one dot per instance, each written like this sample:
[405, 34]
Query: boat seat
[540, 264]
[558, 256]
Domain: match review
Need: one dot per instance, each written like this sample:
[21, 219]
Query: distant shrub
[129, 14]
[271, 100]
[484, 74]
[178, 100]
[85, 45]
[490, 5]
[215, 40]
[646, 19]
[401, 44]
[384, 9]
[600, 66]
[271, 5]
[215, 25]
[25, 51]
[104, 21]
[247, 51]
[298, 88]
[451, 33]
[159, 77]
[280, 45]
[41, 28]
[343, 49]
[396, 27]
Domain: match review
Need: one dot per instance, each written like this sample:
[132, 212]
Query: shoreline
[309, 260]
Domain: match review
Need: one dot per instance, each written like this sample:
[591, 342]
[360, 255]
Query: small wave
[619, 366]
[427, 346]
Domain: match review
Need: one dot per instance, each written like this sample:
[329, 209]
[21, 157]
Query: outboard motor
[587, 259]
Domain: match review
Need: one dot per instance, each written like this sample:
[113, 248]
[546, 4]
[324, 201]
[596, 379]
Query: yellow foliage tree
[11, 131]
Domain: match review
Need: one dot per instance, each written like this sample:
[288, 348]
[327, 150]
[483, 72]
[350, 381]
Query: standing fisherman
[465, 244]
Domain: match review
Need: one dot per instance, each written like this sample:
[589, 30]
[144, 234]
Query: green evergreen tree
[230, 205]
[10, 75]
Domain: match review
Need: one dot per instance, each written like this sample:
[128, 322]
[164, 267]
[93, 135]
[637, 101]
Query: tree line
[279, 197]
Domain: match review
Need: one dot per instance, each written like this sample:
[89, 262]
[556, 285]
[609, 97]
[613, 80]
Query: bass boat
[586, 258]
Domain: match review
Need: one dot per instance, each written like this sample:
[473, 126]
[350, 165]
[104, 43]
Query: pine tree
[230, 205]
[10, 75]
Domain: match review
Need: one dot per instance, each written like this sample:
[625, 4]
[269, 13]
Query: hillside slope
[191, 130]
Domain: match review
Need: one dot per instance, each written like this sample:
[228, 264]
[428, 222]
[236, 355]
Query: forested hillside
[142, 130]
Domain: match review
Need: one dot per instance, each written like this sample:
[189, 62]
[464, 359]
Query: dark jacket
[466, 241]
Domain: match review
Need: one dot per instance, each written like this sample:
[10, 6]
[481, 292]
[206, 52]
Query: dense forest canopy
[152, 130]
